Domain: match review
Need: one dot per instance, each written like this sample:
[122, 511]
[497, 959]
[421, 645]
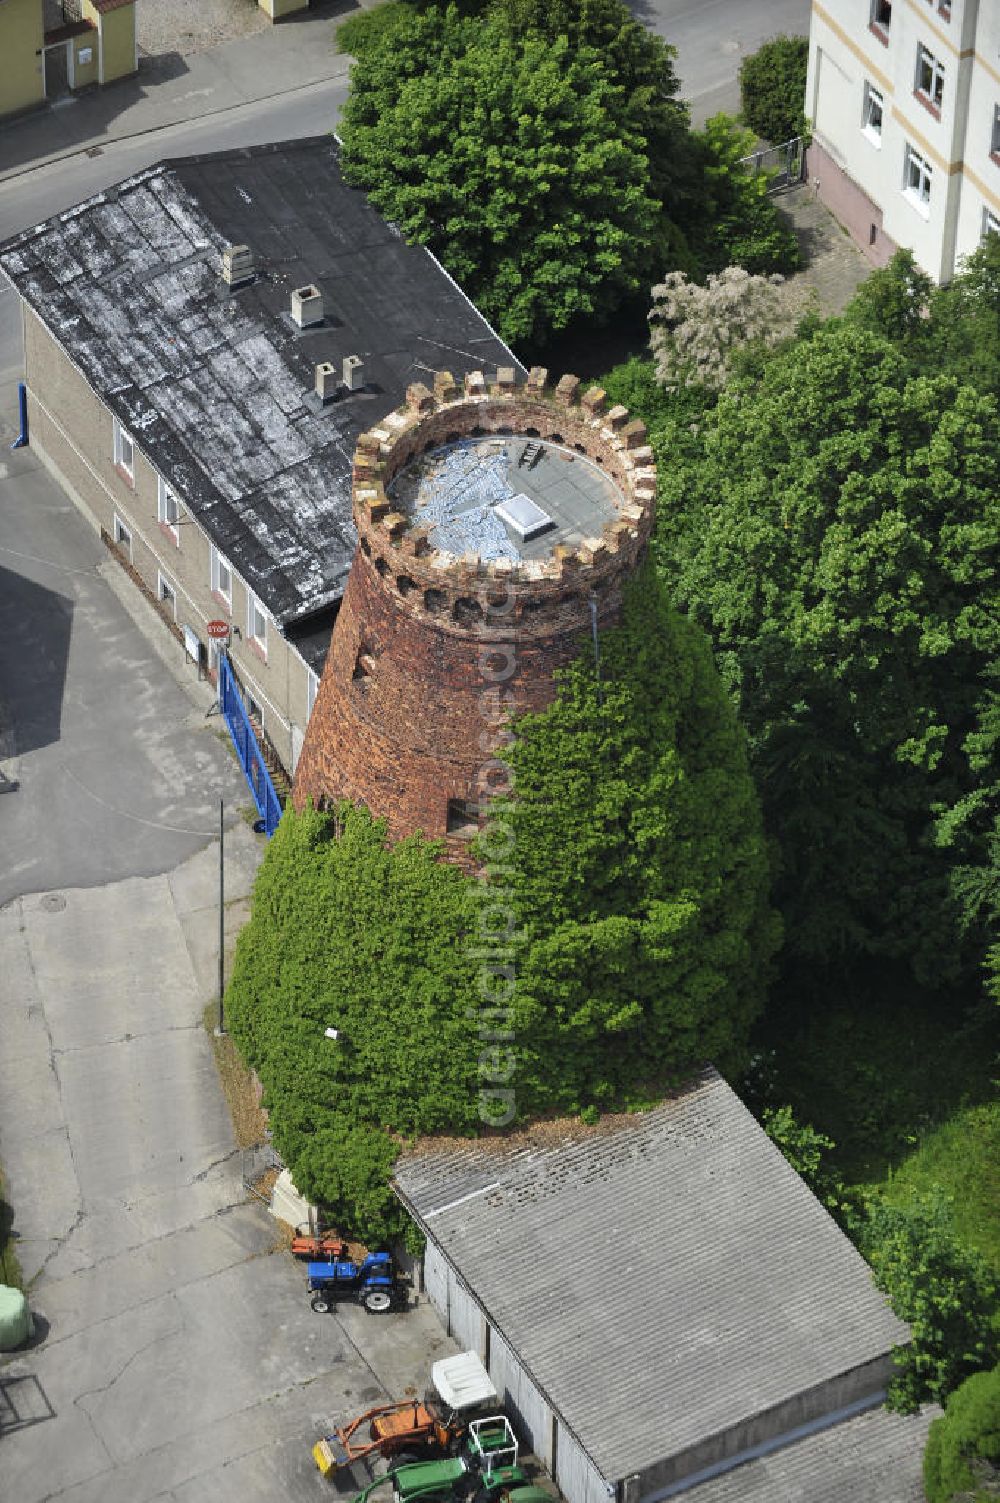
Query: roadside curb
[87, 145]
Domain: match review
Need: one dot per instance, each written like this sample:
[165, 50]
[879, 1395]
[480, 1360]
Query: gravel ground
[186, 26]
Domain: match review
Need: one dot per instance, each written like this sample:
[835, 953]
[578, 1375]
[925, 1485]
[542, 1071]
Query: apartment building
[904, 97]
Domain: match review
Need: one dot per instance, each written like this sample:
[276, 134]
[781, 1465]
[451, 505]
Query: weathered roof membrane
[216, 382]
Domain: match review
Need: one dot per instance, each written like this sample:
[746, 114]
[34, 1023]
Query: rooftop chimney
[307, 306]
[326, 382]
[237, 264]
[354, 372]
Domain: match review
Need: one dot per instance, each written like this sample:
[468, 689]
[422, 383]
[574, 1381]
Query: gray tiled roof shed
[664, 1278]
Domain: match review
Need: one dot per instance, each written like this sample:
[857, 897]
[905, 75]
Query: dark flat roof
[213, 383]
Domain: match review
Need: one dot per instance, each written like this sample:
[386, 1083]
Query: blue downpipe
[21, 441]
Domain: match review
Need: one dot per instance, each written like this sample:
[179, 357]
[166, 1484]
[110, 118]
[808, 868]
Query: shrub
[696, 330]
[773, 89]
[962, 1458]
[944, 1292]
[736, 222]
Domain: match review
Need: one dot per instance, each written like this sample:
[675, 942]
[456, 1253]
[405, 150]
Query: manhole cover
[94, 151]
[53, 902]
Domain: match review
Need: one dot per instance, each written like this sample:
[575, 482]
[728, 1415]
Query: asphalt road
[713, 36]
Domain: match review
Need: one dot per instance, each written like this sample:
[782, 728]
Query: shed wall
[436, 1281]
[575, 1474]
[528, 1410]
[468, 1325]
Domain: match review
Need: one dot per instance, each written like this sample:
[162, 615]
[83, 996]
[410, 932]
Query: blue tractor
[373, 1283]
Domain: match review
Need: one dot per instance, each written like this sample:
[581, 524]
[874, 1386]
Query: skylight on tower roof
[524, 517]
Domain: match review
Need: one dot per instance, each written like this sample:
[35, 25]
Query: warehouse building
[204, 343]
[663, 1302]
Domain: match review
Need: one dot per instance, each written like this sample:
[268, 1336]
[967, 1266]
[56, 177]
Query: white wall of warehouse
[575, 1474]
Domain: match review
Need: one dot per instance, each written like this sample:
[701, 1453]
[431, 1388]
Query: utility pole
[220, 1026]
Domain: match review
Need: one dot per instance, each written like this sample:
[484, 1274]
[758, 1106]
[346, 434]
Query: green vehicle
[487, 1473]
[455, 1481]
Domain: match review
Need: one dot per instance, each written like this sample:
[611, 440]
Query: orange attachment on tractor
[436, 1425]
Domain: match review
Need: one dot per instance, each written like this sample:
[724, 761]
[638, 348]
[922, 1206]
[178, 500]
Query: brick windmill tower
[497, 525]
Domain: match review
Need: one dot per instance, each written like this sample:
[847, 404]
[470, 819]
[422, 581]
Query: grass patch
[368, 28]
[962, 1156]
[249, 1121]
[10, 1268]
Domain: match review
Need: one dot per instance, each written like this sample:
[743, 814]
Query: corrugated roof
[662, 1279]
[213, 382]
[876, 1457]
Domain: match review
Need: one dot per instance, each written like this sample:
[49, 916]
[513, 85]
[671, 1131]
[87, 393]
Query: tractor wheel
[377, 1301]
[320, 1304]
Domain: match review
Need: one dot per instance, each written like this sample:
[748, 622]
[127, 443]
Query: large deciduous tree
[836, 528]
[514, 157]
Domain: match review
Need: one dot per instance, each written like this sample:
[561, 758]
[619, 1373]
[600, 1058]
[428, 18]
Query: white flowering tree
[696, 329]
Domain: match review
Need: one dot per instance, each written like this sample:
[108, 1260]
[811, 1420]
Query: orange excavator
[415, 1429]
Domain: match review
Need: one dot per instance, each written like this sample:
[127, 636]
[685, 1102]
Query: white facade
[538, 1425]
[904, 99]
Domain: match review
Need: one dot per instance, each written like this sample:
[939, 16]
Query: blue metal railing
[247, 747]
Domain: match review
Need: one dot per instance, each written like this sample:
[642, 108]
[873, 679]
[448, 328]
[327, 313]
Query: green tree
[641, 65]
[638, 875]
[894, 301]
[954, 329]
[349, 933]
[511, 157]
[634, 886]
[836, 529]
[962, 1457]
[773, 88]
[735, 221]
[944, 1292]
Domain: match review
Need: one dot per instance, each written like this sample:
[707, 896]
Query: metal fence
[258, 1162]
[784, 165]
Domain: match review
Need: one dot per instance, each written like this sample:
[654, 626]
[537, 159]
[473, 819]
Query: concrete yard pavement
[176, 1357]
[180, 1357]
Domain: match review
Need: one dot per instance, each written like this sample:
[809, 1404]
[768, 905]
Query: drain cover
[53, 902]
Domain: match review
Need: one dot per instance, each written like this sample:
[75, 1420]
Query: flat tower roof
[505, 497]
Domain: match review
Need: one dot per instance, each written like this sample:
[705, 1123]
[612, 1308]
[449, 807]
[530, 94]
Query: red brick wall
[413, 696]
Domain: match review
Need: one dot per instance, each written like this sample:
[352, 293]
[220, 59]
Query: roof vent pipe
[307, 306]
